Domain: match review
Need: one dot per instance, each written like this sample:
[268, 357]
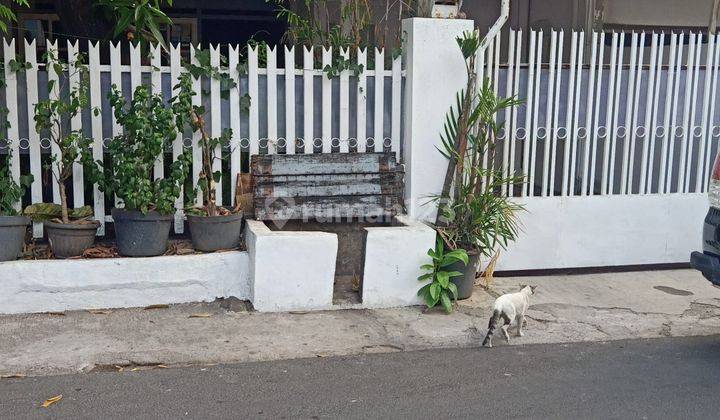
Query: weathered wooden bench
[327, 186]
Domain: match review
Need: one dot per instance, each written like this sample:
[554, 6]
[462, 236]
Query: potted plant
[13, 225]
[211, 227]
[142, 226]
[473, 214]
[68, 237]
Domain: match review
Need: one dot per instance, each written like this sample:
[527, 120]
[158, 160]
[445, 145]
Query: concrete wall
[290, 270]
[597, 231]
[435, 71]
[60, 285]
[393, 256]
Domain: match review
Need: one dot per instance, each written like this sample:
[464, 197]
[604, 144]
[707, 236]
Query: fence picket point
[34, 148]
[178, 143]
[234, 105]
[97, 129]
[326, 103]
[361, 131]
[396, 106]
[289, 100]
[379, 108]
[344, 138]
[308, 108]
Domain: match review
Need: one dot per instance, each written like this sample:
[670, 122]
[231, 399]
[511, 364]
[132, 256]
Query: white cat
[509, 307]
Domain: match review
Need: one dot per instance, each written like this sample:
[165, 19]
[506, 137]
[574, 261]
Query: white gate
[616, 138]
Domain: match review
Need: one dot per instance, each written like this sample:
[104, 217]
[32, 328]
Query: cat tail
[492, 326]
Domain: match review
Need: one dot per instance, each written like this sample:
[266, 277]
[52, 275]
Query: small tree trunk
[207, 168]
[63, 203]
[208, 195]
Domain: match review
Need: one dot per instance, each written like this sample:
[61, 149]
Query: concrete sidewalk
[565, 309]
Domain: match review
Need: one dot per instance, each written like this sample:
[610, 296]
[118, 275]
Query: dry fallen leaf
[13, 376]
[157, 306]
[161, 366]
[119, 368]
[135, 369]
[50, 401]
[201, 315]
[55, 313]
[99, 311]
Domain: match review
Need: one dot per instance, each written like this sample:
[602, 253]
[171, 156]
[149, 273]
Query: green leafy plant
[7, 14]
[311, 23]
[441, 289]
[51, 116]
[138, 19]
[11, 192]
[148, 128]
[192, 116]
[473, 213]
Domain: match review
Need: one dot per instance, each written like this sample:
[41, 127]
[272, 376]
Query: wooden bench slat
[327, 207]
[324, 185]
[323, 163]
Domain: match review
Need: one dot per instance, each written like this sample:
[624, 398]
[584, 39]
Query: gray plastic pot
[141, 235]
[70, 239]
[217, 232]
[12, 236]
[466, 282]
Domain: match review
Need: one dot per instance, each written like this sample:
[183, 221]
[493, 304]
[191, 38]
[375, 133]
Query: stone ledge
[61, 285]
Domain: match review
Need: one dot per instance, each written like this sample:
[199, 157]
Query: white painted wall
[596, 231]
[435, 72]
[60, 285]
[290, 270]
[393, 256]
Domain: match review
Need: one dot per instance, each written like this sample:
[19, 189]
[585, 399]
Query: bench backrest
[326, 185]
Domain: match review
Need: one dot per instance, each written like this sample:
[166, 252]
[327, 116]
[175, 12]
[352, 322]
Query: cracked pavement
[566, 308]
[612, 306]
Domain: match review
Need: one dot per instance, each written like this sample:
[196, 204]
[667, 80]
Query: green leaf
[423, 290]
[434, 290]
[442, 278]
[425, 276]
[429, 300]
[453, 290]
[446, 302]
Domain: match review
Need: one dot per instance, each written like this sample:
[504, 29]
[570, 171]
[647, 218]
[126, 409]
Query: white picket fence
[625, 113]
[294, 109]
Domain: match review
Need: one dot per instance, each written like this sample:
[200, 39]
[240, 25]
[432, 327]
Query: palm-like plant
[472, 214]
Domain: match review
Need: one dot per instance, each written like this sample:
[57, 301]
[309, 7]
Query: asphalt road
[661, 378]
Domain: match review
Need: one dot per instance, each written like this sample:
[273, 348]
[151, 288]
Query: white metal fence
[294, 108]
[619, 113]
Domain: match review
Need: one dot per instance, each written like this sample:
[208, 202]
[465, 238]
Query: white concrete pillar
[435, 72]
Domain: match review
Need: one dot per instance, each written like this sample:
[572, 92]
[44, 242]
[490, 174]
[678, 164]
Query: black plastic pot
[141, 235]
[466, 282]
[12, 236]
[70, 239]
[217, 232]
